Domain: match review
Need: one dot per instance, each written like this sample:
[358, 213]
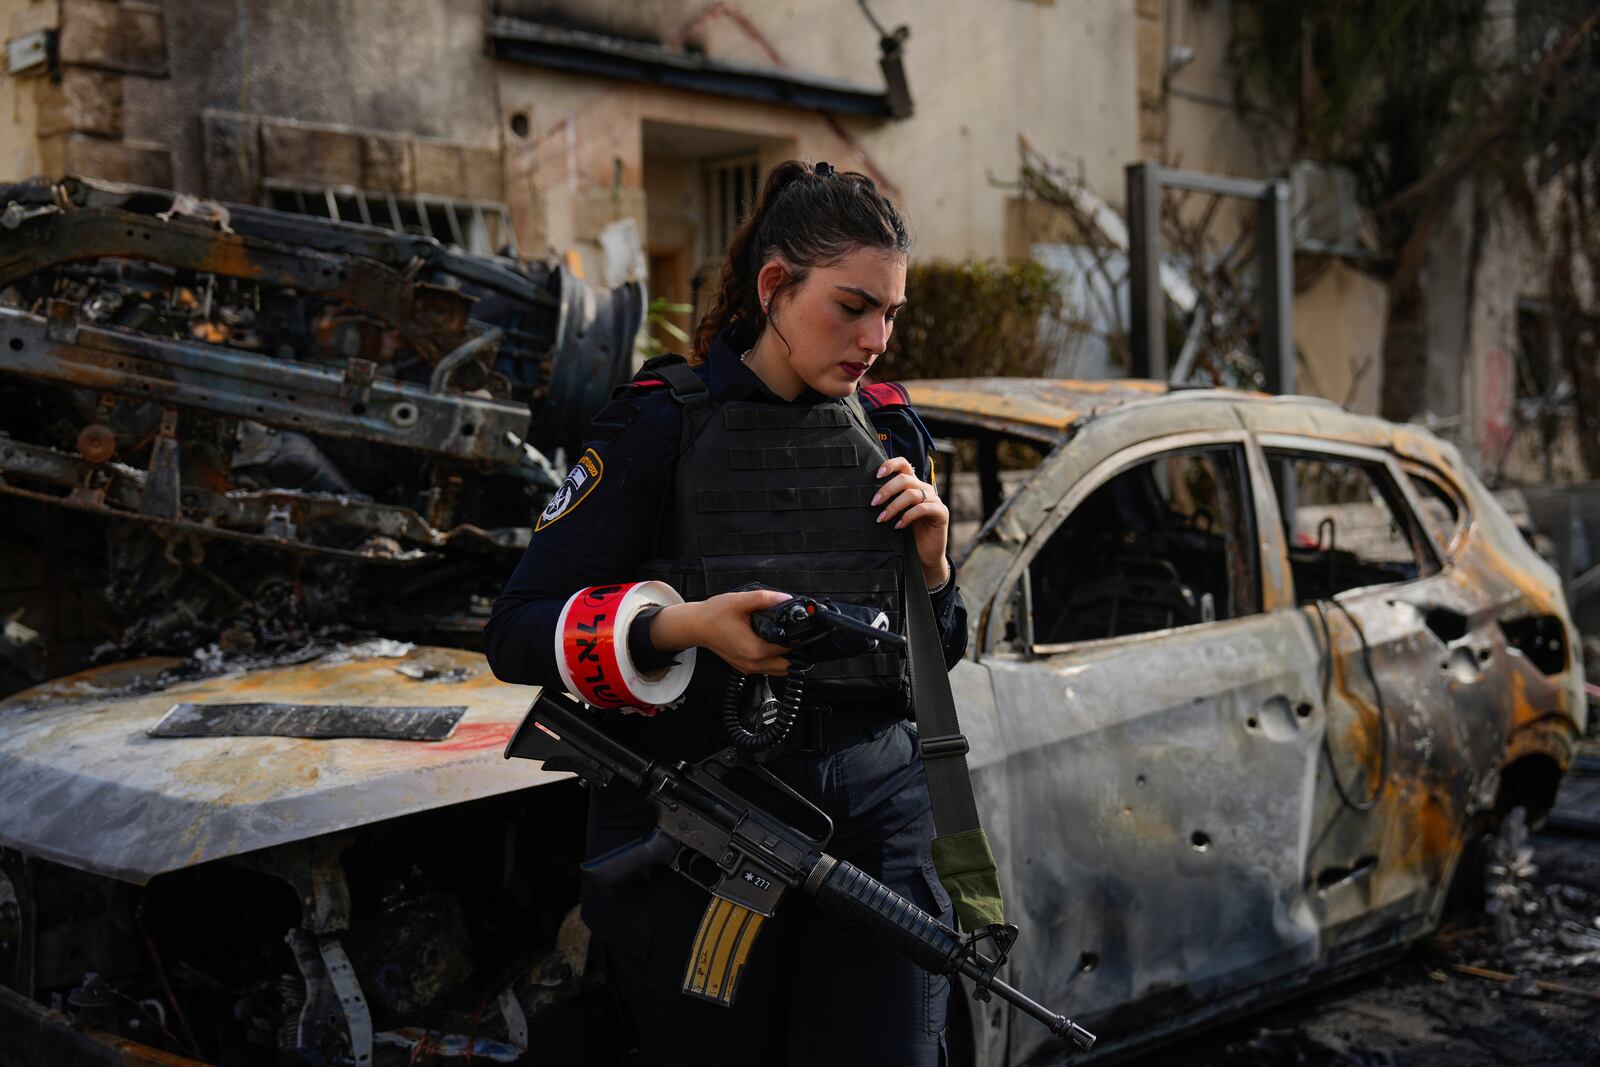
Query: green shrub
[971, 320]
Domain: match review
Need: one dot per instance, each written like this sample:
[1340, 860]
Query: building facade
[627, 136]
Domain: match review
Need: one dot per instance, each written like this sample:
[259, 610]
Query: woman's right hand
[721, 625]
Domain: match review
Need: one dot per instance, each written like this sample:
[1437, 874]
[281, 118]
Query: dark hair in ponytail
[809, 216]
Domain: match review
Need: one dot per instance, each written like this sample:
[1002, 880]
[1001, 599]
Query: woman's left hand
[909, 501]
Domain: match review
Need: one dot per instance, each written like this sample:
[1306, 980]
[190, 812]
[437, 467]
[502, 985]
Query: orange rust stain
[1423, 830]
[1098, 387]
[311, 682]
[1490, 558]
[1361, 739]
[470, 736]
[229, 257]
[1522, 709]
[248, 770]
[973, 402]
[1420, 446]
[213, 478]
[1552, 737]
[134, 1054]
[1136, 824]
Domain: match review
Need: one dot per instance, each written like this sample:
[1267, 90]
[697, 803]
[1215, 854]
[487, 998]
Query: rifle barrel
[1059, 1025]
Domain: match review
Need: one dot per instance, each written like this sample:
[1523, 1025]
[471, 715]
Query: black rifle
[748, 853]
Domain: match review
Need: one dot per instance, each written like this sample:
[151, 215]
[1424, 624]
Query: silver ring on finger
[924, 494]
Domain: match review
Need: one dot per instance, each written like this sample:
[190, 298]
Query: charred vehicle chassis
[264, 435]
[228, 378]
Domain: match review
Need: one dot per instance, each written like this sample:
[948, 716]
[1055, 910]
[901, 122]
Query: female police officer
[761, 462]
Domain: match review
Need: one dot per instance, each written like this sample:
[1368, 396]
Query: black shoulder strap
[688, 390]
[852, 404]
[944, 746]
[680, 378]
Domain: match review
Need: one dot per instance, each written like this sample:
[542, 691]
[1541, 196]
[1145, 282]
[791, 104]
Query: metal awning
[581, 52]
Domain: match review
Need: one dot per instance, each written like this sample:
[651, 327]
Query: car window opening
[1441, 512]
[1346, 525]
[1163, 544]
[976, 473]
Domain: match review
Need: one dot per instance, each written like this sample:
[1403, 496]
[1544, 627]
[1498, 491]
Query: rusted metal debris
[237, 387]
[289, 433]
[83, 782]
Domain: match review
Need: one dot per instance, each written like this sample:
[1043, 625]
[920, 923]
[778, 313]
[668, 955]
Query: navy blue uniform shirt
[605, 522]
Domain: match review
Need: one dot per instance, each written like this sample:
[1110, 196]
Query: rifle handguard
[869, 905]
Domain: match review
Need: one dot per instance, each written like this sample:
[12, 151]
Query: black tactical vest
[782, 494]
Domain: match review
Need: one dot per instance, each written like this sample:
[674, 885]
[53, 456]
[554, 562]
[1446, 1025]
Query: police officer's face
[837, 322]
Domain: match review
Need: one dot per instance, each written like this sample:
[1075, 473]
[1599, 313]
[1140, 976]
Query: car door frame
[1137, 989]
[1397, 856]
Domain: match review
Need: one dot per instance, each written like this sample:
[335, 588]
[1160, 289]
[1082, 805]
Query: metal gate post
[1277, 288]
[1148, 299]
[1147, 303]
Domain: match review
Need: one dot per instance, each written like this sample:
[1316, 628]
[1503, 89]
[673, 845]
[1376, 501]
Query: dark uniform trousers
[815, 991]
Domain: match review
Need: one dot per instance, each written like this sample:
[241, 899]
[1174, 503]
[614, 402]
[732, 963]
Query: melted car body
[1248, 677]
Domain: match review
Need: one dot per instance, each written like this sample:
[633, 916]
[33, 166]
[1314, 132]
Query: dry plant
[1215, 334]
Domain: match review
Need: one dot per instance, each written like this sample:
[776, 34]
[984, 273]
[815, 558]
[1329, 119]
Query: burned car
[1247, 678]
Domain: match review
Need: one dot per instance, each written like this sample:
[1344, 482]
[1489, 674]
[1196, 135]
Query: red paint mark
[697, 25]
[1497, 395]
[471, 736]
[731, 11]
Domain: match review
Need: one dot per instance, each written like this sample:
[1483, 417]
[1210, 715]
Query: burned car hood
[83, 784]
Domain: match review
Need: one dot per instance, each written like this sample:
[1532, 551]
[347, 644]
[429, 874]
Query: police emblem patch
[585, 475]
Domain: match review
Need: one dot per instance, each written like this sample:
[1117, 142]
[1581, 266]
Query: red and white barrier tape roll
[592, 648]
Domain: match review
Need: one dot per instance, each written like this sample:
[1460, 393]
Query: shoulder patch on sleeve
[579, 483]
[881, 395]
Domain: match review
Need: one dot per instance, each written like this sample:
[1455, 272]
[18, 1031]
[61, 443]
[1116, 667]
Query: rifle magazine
[721, 946]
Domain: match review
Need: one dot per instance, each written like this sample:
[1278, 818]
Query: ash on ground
[1517, 982]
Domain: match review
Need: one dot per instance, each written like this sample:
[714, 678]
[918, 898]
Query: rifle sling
[944, 747]
[955, 809]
